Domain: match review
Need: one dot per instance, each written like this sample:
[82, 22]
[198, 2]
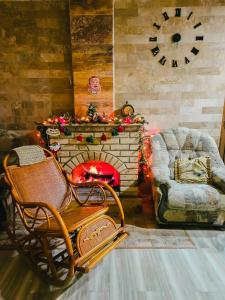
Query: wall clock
[179, 27]
[127, 109]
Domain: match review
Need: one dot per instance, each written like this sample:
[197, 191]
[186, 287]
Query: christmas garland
[59, 124]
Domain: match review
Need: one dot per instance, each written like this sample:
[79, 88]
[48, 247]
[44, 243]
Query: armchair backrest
[171, 144]
[42, 181]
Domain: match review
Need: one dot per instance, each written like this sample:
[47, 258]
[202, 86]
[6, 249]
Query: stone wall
[35, 62]
[92, 51]
[190, 95]
[36, 67]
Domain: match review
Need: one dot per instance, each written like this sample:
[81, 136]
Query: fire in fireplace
[97, 170]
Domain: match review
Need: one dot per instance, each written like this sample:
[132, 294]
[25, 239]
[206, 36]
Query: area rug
[153, 238]
[139, 238]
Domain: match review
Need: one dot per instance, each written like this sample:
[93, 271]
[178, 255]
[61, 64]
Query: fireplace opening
[97, 170]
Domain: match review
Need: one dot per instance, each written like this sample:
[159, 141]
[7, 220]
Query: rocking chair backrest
[40, 182]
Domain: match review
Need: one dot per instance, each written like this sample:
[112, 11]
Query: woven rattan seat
[74, 218]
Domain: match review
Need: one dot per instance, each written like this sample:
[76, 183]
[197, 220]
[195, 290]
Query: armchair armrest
[218, 178]
[160, 176]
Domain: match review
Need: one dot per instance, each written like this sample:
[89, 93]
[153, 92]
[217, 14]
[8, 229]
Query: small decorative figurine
[94, 86]
[103, 118]
[92, 114]
[53, 132]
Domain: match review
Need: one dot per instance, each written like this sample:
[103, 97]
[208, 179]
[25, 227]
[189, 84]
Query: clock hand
[176, 37]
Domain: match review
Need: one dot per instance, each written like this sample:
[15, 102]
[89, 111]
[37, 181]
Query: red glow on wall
[96, 170]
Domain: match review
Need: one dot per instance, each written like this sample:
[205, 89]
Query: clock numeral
[157, 26]
[162, 61]
[155, 51]
[194, 51]
[197, 25]
[187, 61]
[174, 63]
[165, 15]
[178, 12]
[153, 39]
[199, 38]
[189, 16]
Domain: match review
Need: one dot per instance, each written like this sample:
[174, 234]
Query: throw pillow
[196, 170]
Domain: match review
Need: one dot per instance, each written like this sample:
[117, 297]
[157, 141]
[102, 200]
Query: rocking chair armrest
[106, 186]
[56, 215]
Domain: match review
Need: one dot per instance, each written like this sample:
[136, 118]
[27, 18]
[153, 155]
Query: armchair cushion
[192, 196]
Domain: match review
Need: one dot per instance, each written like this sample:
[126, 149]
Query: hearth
[97, 170]
[115, 158]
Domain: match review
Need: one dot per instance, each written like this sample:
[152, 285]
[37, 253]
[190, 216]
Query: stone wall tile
[94, 147]
[91, 155]
[115, 153]
[85, 156]
[103, 156]
[131, 165]
[120, 147]
[127, 177]
[124, 159]
[97, 155]
[75, 161]
[67, 169]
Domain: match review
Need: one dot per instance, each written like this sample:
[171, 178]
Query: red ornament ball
[127, 120]
[120, 128]
[80, 138]
[103, 137]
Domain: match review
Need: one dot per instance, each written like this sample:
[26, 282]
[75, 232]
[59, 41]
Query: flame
[93, 170]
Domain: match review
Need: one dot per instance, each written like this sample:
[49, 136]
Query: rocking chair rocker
[64, 228]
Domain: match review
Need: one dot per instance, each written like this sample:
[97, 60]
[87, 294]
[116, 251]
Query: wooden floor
[151, 274]
[132, 274]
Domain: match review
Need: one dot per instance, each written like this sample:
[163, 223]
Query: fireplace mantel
[120, 151]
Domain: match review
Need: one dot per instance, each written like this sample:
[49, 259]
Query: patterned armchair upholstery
[186, 202]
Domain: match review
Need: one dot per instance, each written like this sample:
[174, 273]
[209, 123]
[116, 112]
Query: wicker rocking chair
[62, 226]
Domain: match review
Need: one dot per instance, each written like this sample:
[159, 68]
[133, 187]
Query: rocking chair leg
[49, 257]
[14, 221]
[11, 226]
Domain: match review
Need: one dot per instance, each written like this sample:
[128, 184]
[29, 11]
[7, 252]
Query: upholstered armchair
[177, 202]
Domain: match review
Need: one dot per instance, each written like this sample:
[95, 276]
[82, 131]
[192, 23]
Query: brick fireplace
[121, 152]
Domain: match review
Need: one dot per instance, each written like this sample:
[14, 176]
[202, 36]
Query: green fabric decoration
[115, 132]
[90, 139]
